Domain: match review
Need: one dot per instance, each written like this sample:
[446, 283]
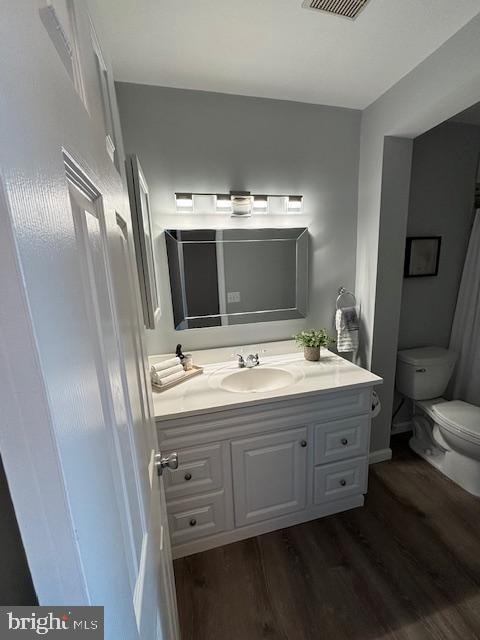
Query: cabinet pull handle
[303, 443]
[192, 522]
[188, 476]
[344, 441]
[343, 482]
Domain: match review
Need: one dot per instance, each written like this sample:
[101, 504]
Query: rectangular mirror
[236, 276]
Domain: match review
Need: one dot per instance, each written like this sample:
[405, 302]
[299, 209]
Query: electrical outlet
[233, 296]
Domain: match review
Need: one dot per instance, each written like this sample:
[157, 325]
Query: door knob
[164, 462]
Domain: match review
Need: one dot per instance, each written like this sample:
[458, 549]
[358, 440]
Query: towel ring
[343, 292]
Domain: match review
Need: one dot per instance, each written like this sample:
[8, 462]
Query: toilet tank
[423, 373]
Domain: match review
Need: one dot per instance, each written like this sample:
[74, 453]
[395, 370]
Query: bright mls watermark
[56, 622]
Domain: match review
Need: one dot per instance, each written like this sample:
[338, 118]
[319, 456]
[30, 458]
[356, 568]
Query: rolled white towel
[171, 378]
[166, 364]
[165, 373]
[169, 371]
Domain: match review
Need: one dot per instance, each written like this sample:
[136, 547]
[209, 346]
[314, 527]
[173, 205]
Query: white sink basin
[258, 379]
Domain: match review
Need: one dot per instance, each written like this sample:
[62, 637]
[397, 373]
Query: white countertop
[202, 394]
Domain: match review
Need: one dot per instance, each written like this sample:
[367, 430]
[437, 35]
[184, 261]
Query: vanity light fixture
[222, 203]
[277, 205]
[204, 202]
[184, 202]
[260, 203]
[295, 204]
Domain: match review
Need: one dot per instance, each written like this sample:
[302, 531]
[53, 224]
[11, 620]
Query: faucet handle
[252, 360]
[241, 361]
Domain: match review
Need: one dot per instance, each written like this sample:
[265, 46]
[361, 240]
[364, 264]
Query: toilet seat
[460, 418]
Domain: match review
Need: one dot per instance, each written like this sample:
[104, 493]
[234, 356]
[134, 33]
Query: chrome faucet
[249, 362]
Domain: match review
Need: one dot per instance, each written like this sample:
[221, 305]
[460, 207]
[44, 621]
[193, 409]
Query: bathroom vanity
[264, 448]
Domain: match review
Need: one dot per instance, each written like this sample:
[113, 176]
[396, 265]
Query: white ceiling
[274, 48]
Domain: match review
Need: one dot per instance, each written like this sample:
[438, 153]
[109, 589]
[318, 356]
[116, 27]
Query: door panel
[110, 300]
[269, 475]
[97, 295]
[155, 583]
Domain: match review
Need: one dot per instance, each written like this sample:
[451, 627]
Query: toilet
[445, 433]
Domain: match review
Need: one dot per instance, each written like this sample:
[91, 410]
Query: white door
[269, 475]
[78, 440]
[114, 328]
[157, 566]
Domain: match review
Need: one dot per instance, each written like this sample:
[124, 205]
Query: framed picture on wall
[422, 256]
[142, 235]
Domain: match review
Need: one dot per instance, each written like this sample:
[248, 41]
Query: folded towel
[166, 364]
[346, 324]
[157, 376]
[169, 371]
[171, 378]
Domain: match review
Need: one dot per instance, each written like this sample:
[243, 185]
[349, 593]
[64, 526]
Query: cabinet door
[340, 480]
[269, 475]
[200, 470]
[341, 439]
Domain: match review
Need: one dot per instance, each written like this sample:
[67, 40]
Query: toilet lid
[426, 356]
[459, 415]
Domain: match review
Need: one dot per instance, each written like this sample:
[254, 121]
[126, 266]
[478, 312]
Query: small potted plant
[311, 341]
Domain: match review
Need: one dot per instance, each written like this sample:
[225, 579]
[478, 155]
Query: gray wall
[442, 192]
[207, 142]
[444, 84]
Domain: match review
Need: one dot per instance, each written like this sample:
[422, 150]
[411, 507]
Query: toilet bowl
[456, 429]
[446, 433]
[459, 426]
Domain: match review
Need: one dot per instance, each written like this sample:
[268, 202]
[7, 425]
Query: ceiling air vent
[346, 8]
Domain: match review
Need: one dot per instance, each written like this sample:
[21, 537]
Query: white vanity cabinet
[269, 475]
[254, 468]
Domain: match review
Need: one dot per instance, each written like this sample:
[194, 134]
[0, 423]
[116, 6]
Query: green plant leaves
[313, 338]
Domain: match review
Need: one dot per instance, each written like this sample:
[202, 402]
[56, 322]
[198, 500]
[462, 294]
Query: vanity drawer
[200, 469]
[340, 480]
[194, 518]
[340, 439]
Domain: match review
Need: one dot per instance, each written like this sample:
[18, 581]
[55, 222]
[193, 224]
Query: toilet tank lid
[426, 356]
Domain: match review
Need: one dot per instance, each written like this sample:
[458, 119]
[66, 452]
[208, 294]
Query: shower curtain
[465, 338]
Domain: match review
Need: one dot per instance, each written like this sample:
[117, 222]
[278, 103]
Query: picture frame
[422, 256]
[143, 239]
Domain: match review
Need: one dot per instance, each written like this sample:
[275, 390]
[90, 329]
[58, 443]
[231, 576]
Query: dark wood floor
[405, 566]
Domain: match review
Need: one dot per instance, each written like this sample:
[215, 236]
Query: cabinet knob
[344, 441]
[303, 443]
[188, 476]
[343, 482]
[192, 522]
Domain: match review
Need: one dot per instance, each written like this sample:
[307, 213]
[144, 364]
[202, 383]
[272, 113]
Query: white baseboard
[380, 456]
